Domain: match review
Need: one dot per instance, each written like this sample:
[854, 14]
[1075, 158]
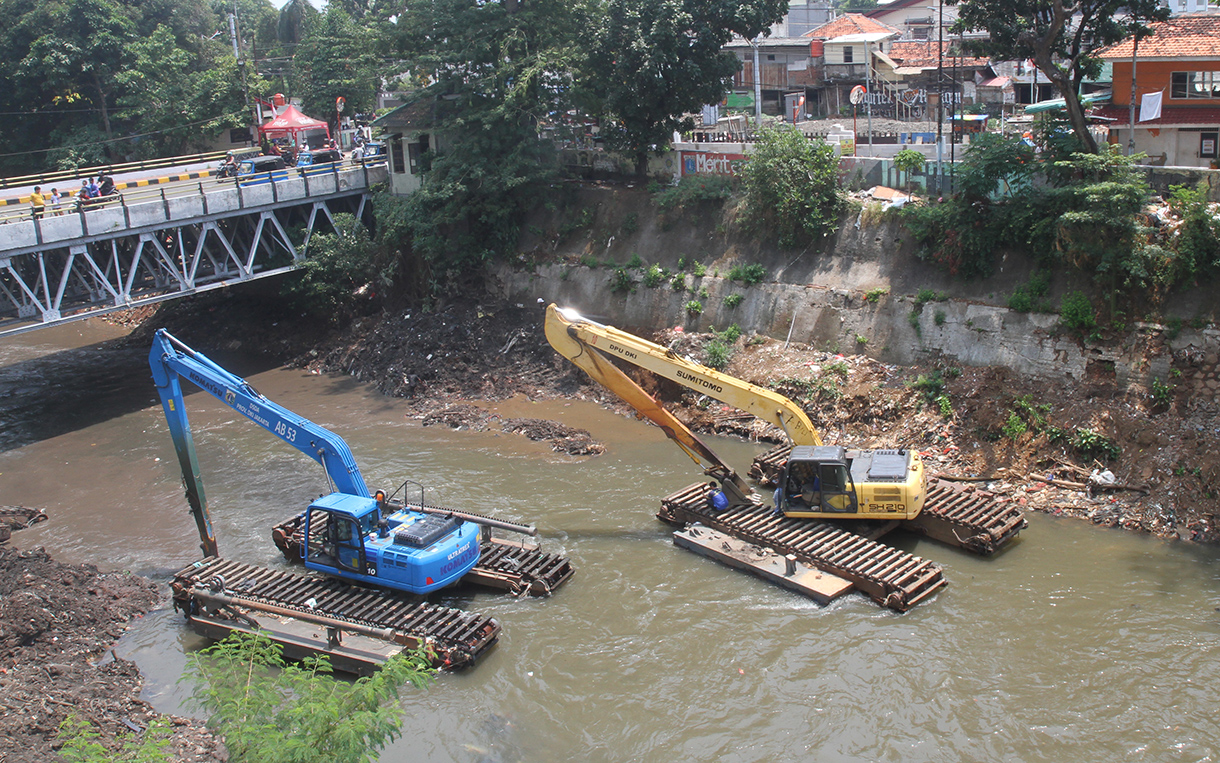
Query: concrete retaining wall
[821, 315]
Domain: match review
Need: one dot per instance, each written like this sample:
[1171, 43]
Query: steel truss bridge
[186, 240]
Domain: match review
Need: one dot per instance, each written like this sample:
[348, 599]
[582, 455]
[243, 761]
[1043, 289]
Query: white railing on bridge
[162, 209]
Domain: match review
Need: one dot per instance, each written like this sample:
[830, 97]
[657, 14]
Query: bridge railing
[153, 207]
[44, 178]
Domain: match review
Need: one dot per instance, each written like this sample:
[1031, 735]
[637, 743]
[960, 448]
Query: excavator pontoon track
[357, 627]
[516, 568]
[891, 577]
[958, 515]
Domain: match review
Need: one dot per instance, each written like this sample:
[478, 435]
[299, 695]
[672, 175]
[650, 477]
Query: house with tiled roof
[1177, 67]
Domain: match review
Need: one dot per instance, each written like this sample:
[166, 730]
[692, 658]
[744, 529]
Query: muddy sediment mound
[57, 625]
[562, 438]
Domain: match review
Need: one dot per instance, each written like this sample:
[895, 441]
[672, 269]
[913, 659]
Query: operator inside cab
[802, 486]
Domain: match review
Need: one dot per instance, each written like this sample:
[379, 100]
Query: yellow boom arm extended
[763, 403]
[601, 370]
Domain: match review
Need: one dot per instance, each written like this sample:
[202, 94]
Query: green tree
[344, 272]
[791, 187]
[490, 72]
[336, 58]
[271, 711]
[182, 99]
[1062, 37]
[909, 161]
[652, 61]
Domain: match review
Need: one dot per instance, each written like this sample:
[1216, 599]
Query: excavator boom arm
[762, 403]
[601, 370]
[171, 359]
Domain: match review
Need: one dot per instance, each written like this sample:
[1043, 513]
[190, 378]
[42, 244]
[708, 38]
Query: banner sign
[708, 163]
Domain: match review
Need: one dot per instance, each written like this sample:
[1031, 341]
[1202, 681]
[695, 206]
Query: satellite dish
[857, 95]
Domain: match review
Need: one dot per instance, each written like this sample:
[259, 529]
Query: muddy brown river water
[1076, 644]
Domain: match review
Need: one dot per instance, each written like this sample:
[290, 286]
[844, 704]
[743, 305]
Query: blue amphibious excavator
[361, 540]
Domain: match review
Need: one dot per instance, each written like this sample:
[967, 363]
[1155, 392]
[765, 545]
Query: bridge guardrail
[148, 207]
[43, 178]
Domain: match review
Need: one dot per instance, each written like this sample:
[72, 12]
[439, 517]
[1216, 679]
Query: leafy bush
[694, 307]
[621, 281]
[1015, 426]
[636, 262]
[939, 317]
[861, 339]
[1162, 393]
[344, 274]
[694, 190]
[931, 385]
[271, 711]
[654, 276]
[790, 188]
[1077, 313]
[928, 295]
[876, 294]
[631, 223]
[699, 271]
[1028, 298]
[678, 282]
[1198, 237]
[1091, 444]
[733, 300]
[945, 405]
[717, 354]
[731, 334]
[78, 740]
[747, 274]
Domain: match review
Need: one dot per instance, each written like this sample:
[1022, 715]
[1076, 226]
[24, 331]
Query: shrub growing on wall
[791, 188]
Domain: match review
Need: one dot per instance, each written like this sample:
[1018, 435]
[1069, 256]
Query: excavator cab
[816, 481]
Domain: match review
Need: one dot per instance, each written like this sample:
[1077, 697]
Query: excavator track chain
[512, 567]
[453, 638]
[893, 578]
[962, 516]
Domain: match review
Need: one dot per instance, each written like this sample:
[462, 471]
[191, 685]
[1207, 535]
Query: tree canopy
[652, 61]
[1061, 37]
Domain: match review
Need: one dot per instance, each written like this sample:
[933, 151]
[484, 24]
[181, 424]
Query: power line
[125, 137]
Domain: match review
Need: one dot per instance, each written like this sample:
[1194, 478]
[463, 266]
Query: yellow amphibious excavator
[816, 480]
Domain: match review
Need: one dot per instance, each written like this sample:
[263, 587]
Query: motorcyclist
[106, 188]
[228, 167]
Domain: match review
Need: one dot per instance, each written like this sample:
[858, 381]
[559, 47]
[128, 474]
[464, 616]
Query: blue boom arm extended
[171, 360]
[407, 550]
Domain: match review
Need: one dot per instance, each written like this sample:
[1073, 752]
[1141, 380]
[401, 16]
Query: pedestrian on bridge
[38, 202]
[55, 201]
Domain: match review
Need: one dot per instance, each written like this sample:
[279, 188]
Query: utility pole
[940, 94]
[1135, 43]
[868, 93]
[757, 88]
[241, 65]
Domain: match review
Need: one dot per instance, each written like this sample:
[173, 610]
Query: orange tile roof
[848, 23]
[1190, 35]
[923, 54]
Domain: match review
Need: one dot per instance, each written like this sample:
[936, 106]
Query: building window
[1194, 85]
[848, 57]
[770, 58]
[396, 162]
